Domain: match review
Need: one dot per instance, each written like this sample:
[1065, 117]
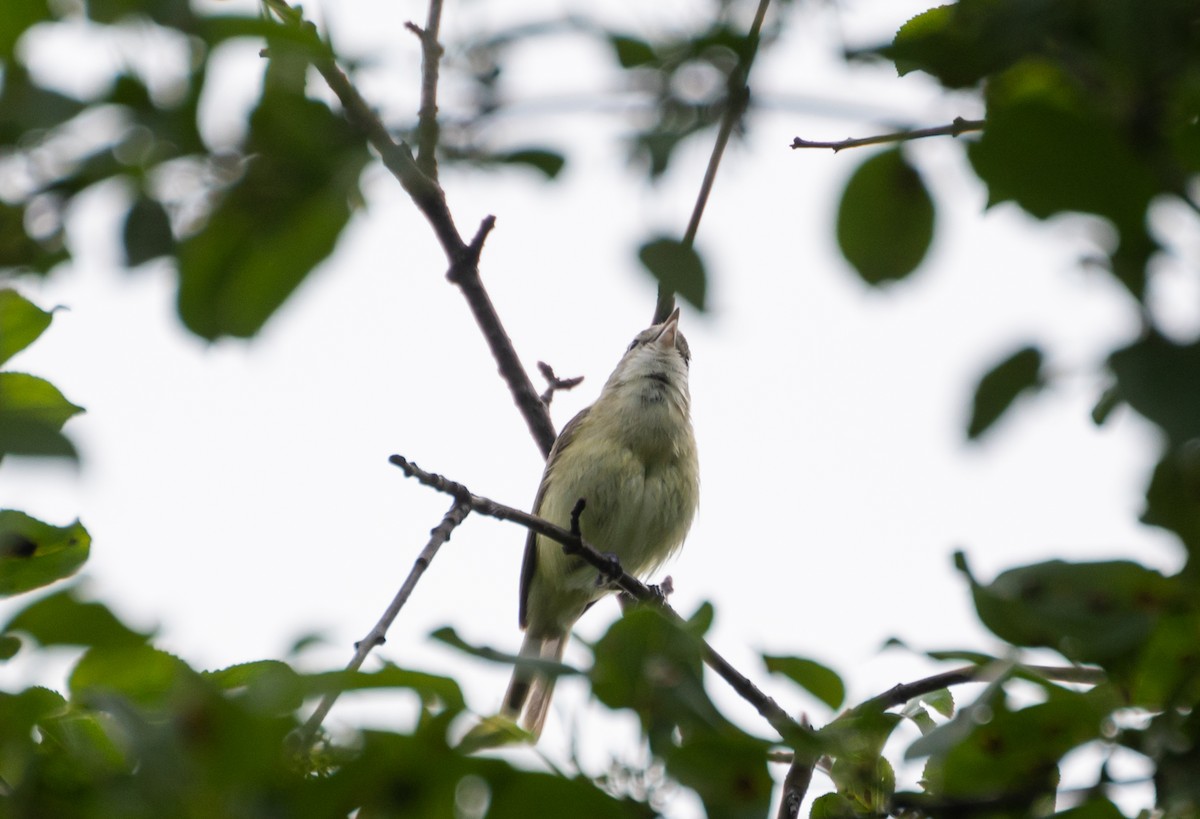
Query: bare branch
[902, 693]
[430, 199]
[554, 383]
[431, 55]
[377, 635]
[735, 107]
[795, 786]
[790, 730]
[958, 126]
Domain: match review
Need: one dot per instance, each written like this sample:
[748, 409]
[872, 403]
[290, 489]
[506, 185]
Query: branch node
[554, 383]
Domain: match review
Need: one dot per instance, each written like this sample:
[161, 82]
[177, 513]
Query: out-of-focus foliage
[1091, 108]
[32, 410]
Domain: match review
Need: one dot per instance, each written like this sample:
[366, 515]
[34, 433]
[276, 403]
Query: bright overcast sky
[239, 493]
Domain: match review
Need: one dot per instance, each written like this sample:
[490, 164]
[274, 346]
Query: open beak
[666, 336]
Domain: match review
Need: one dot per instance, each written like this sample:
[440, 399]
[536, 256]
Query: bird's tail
[528, 698]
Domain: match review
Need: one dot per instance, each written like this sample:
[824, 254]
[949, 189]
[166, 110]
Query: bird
[631, 457]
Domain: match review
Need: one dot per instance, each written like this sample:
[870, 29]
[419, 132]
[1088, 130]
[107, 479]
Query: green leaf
[265, 686]
[9, 646]
[15, 17]
[147, 232]
[1161, 380]
[833, 806]
[677, 267]
[964, 43]
[1173, 497]
[941, 701]
[431, 687]
[654, 666]
[1052, 147]
[82, 739]
[35, 554]
[728, 772]
[1000, 387]
[62, 619]
[450, 637]
[32, 413]
[282, 218]
[139, 673]
[1096, 807]
[631, 52]
[21, 322]
[21, 251]
[885, 219]
[1014, 752]
[1090, 612]
[819, 680]
[549, 163]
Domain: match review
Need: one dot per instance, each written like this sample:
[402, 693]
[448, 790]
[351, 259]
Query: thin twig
[377, 635]
[554, 383]
[573, 544]
[902, 693]
[430, 199]
[958, 126]
[428, 130]
[738, 100]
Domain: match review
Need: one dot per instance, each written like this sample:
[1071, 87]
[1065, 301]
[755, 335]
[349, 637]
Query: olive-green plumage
[631, 456]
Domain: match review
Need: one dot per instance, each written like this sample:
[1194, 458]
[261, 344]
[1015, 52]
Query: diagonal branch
[958, 126]
[430, 199]
[790, 730]
[377, 635]
[739, 99]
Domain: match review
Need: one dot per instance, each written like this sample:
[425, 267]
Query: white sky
[239, 495]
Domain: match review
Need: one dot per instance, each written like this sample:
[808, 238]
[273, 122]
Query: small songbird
[631, 457]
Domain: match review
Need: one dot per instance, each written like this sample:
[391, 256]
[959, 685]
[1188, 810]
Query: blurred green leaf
[21, 251]
[1168, 670]
[941, 701]
[885, 219]
[1161, 380]
[833, 806]
[265, 686]
[999, 388]
[282, 218]
[963, 43]
[631, 52]
[431, 687]
[867, 782]
[15, 17]
[1052, 148]
[62, 619]
[1096, 807]
[21, 322]
[1173, 497]
[819, 680]
[1014, 754]
[727, 771]
[9, 646]
[147, 232]
[549, 163]
[653, 666]
[1090, 612]
[450, 637]
[35, 554]
[677, 267]
[32, 413]
[138, 673]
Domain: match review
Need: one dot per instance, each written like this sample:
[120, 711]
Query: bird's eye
[632, 344]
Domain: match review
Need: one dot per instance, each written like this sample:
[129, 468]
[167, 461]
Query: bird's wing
[529, 564]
